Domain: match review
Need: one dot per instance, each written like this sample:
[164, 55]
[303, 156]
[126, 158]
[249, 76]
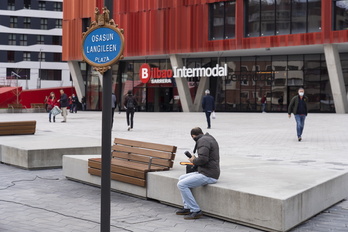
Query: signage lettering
[102, 48]
[102, 37]
[157, 75]
[217, 71]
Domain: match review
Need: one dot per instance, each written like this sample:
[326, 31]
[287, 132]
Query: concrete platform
[39, 151]
[255, 193]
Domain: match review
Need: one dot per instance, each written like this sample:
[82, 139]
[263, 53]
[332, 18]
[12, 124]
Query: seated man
[208, 172]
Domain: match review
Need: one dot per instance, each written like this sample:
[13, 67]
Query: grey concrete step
[259, 194]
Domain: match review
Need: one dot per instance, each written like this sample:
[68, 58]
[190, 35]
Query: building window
[42, 5]
[26, 56]
[10, 56]
[57, 6]
[40, 39]
[340, 15]
[222, 20]
[56, 40]
[52, 75]
[27, 4]
[58, 23]
[42, 56]
[11, 5]
[27, 22]
[23, 40]
[13, 22]
[57, 57]
[12, 39]
[23, 74]
[44, 24]
[279, 17]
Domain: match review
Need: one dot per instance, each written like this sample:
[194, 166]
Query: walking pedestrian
[298, 106]
[64, 102]
[129, 104]
[51, 103]
[74, 101]
[208, 105]
[263, 103]
[83, 103]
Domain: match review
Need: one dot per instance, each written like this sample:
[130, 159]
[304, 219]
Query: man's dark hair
[196, 131]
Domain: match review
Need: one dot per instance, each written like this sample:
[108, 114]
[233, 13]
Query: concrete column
[202, 86]
[77, 78]
[182, 85]
[334, 68]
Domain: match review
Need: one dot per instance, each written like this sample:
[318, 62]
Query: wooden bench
[40, 107]
[17, 128]
[16, 106]
[131, 160]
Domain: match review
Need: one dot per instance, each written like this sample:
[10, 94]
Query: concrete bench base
[44, 152]
[260, 194]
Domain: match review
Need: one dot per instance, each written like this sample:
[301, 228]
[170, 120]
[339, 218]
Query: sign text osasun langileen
[102, 46]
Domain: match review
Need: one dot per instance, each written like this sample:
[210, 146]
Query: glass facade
[222, 20]
[248, 79]
[279, 17]
[277, 77]
[340, 12]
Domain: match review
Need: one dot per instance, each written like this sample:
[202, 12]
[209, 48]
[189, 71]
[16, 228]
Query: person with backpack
[129, 104]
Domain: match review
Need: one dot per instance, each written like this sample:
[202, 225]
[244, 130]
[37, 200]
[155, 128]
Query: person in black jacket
[208, 172]
[64, 102]
[208, 105]
[129, 104]
[298, 106]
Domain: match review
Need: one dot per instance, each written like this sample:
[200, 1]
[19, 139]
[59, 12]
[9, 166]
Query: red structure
[157, 27]
[8, 95]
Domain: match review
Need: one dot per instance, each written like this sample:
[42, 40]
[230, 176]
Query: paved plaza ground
[43, 200]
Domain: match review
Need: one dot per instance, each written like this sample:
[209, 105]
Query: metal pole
[106, 144]
[40, 59]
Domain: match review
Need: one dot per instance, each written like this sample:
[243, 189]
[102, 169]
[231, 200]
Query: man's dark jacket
[208, 160]
[208, 103]
[64, 100]
[294, 105]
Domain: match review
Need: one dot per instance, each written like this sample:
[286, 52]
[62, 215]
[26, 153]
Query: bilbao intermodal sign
[102, 46]
[156, 75]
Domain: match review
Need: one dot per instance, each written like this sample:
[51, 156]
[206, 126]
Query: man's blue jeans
[207, 115]
[300, 120]
[192, 180]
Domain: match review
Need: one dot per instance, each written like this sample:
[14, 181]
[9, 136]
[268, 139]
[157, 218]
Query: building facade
[31, 44]
[239, 49]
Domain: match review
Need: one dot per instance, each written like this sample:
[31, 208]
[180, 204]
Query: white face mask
[301, 93]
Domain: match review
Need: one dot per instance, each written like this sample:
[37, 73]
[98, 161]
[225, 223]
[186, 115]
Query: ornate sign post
[102, 46]
[103, 42]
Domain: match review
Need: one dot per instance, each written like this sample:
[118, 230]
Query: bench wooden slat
[147, 145]
[136, 150]
[118, 177]
[17, 123]
[119, 169]
[146, 159]
[118, 163]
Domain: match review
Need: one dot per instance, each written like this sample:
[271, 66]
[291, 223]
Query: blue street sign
[102, 46]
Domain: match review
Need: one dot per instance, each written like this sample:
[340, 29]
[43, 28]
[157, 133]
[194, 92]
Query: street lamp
[39, 78]
[17, 76]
